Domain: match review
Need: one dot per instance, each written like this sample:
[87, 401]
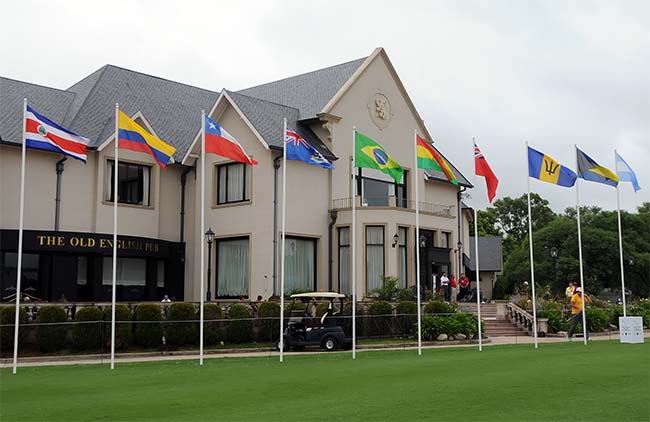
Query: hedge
[407, 316]
[212, 328]
[464, 323]
[181, 333]
[438, 307]
[50, 337]
[8, 320]
[148, 329]
[240, 328]
[556, 321]
[123, 326]
[87, 332]
[597, 319]
[380, 316]
[269, 323]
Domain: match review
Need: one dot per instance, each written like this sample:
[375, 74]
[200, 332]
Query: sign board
[631, 329]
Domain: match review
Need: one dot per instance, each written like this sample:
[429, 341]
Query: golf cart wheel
[285, 346]
[330, 344]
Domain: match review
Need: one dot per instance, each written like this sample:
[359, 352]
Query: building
[68, 237]
[490, 253]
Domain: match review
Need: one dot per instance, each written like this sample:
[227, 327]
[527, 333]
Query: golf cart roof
[328, 295]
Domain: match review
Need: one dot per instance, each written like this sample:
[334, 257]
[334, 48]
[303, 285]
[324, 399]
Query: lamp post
[554, 252]
[209, 237]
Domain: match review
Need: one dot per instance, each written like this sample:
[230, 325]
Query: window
[374, 257]
[444, 239]
[160, 274]
[299, 264]
[30, 282]
[344, 261]
[82, 271]
[130, 272]
[232, 267]
[377, 190]
[134, 182]
[233, 183]
[402, 232]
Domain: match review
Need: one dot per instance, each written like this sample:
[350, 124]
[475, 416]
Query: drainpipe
[186, 170]
[57, 199]
[460, 252]
[276, 167]
[330, 258]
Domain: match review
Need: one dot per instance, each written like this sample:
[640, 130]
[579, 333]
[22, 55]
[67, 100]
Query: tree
[487, 223]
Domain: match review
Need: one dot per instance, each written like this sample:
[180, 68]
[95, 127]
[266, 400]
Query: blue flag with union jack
[299, 149]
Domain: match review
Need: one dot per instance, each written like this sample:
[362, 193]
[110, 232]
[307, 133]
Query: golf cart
[307, 326]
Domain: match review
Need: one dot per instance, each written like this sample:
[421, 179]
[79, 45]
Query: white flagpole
[417, 238]
[582, 279]
[478, 282]
[532, 262]
[202, 243]
[19, 269]
[284, 227]
[115, 198]
[620, 241]
[354, 248]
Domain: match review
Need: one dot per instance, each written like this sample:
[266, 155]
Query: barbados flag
[133, 137]
[369, 154]
[546, 169]
[590, 170]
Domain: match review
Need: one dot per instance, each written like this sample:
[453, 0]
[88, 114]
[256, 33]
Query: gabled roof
[51, 102]
[440, 176]
[309, 92]
[490, 253]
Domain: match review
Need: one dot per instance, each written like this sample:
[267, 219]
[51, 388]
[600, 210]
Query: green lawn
[603, 381]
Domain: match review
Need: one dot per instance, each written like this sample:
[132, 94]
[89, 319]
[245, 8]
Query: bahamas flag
[546, 169]
[369, 154]
[133, 137]
[590, 170]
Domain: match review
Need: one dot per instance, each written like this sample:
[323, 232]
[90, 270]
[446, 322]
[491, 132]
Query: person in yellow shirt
[576, 312]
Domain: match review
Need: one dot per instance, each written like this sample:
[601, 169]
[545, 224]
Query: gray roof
[51, 102]
[309, 92]
[489, 251]
[439, 175]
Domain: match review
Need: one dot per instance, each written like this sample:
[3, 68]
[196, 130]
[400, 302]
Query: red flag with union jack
[484, 169]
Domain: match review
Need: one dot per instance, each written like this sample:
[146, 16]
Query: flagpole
[20, 236]
[582, 280]
[354, 248]
[284, 227]
[202, 243]
[620, 241]
[417, 238]
[532, 261]
[115, 198]
[478, 282]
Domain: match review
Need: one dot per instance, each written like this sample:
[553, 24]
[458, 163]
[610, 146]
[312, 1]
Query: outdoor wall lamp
[395, 239]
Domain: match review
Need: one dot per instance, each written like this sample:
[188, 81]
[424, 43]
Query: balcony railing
[394, 202]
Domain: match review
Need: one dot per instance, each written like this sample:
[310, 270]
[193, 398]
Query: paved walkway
[188, 355]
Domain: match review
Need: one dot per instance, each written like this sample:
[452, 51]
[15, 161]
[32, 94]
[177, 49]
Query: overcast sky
[553, 73]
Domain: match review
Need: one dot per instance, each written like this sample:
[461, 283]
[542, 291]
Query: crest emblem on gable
[380, 110]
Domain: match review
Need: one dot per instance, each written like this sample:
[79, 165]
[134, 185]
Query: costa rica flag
[42, 133]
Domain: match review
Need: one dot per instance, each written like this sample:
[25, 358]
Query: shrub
[361, 320]
[465, 323]
[597, 319]
[642, 309]
[432, 326]
[552, 305]
[615, 311]
[50, 336]
[213, 327]
[87, 333]
[407, 316]
[380, 318]
[240, 328]
[407, 294]
[439, 307]
[185, 330]
[556, 321]
[148, 329]
[269, 322]
[123, 326]
[7, 331]
[389, 288]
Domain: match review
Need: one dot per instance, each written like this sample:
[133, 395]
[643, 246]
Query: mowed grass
[604, 381]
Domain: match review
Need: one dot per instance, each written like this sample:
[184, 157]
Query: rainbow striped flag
[429, 158]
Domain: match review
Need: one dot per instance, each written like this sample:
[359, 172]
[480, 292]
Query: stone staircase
[494, 326]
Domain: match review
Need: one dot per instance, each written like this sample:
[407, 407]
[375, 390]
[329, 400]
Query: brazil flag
[369, 154]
